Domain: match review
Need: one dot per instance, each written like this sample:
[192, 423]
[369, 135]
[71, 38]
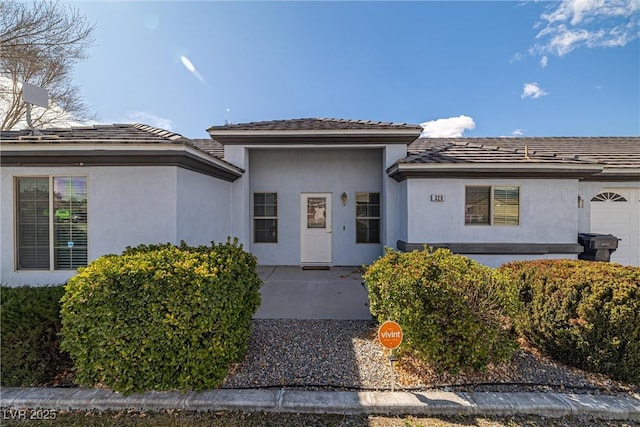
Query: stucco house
[308, 192]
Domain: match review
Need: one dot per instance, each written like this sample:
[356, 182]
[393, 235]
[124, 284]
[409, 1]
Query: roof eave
[403, 171]
[314, 136]
[168, 155]
[616, 174]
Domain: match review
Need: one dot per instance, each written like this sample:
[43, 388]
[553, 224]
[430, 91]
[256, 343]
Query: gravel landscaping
[345, 355]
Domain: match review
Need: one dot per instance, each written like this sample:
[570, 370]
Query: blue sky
[466, 68]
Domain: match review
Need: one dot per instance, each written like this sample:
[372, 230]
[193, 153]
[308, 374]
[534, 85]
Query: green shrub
[454, 311]
[161, 317]
[585, 314]
[29, 343]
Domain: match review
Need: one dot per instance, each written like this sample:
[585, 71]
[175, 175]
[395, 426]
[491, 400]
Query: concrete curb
[623, 407]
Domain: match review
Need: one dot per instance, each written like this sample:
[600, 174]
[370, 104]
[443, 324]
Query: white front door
[315, 231]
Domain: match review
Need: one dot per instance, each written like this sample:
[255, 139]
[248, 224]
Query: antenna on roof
[34, 95]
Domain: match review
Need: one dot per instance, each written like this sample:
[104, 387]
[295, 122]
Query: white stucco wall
[240, 207]
[126, 206]
[403, 217]
[203, 208]
[394, 198]
[290, 172]
[548, 212]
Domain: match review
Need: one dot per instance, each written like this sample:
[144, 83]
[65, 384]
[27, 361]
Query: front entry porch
[294, 293]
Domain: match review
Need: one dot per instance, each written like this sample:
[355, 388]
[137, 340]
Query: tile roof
[119, 133]
[110, 133]
[615, 152]
[469, 152]
[455, 159]
[114, 135]
[315, 124]
[210, 146]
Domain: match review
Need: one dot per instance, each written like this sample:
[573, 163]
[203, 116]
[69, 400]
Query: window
[477, 201]
[265, 217]
[608, 196]
[316, 212]
[506, 205]
[51, 223]
[492, 205]
[367, 217]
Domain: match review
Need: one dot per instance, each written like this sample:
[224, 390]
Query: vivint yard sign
[390, 334]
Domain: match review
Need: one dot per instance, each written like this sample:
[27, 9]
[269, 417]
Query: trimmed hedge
[585, 314]
[454, 312]
[29, 343]
[161, 317]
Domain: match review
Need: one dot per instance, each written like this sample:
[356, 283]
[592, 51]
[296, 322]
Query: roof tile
[619, 152]
[463, 152]
[314, 124]
[123, 133]
[210, 146]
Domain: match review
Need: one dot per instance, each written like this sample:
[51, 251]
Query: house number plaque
[437, 197]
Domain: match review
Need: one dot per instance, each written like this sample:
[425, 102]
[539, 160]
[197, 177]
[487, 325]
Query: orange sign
[390, 334]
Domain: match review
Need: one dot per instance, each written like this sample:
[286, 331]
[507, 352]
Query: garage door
[617, 211]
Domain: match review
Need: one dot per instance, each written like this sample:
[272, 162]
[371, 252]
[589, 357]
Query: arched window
[608, 196]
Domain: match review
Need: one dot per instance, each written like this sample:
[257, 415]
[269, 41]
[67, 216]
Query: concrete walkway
[293, 293]
[400, 403]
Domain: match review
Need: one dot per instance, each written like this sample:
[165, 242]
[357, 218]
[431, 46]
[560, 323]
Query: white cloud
[451, 127]
[585, 11]
[147, 118]
[518, 132]
[532, 90]
[516, 57]
[572, 24]
[544, 61]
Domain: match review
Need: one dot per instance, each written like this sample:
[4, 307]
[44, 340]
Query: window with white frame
[367, 217]
[265, 217]
[492, 205]
[51, 222]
